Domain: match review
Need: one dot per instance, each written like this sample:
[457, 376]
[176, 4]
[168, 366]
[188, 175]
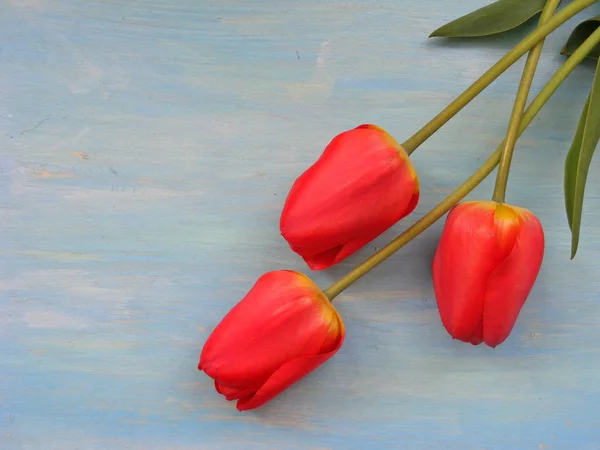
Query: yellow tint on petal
[327, 310]
[483, 204]
[506, 223]
[393, 143]
[505, 212]
[370, 126]
[523, 213]
[389, 141]
[411, 169]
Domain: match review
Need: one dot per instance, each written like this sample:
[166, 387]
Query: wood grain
[146, 149]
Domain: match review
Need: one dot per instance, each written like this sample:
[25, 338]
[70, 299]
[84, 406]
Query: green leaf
[579, 158]
[500, 16]
[580, 34]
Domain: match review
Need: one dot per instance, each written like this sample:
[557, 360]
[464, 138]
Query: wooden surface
[146, 149]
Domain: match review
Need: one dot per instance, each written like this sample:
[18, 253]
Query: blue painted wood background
[146, 149]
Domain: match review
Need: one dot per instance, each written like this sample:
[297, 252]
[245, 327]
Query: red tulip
[362, 184]
[283, 329]
[486, 263]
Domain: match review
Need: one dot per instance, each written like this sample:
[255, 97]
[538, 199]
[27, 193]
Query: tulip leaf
[580, 34]
[500, 16]
[579, 158]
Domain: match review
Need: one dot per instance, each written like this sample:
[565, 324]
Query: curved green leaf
[580, 34]
[579, 158]
[500, 16]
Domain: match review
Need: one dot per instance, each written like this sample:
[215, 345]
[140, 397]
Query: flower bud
[362, 184]
[485, 265]
[284, 328]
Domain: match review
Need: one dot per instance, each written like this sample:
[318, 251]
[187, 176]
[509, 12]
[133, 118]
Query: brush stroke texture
[195, 118]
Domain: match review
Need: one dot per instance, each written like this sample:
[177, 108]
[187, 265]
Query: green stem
[432, 216]
[517, 112]
[412, 143]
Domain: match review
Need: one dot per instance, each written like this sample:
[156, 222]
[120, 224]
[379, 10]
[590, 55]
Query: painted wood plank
[146, 149]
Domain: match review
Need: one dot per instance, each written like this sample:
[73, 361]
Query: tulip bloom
[283, 329]
[362, 184]
[486, 263]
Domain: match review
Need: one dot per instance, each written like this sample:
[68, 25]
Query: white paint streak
[53, 320]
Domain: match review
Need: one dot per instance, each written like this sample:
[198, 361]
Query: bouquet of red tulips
[490, 251]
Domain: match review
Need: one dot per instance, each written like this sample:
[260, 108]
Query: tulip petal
[328, 258]
[284, 316]
[414, 200]
[284, 377]
[290, 333]
[486, 264]
[461, 266]
[322, 260]
[477, 335]
[234, 393]
[362, 184]
[509, 285]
